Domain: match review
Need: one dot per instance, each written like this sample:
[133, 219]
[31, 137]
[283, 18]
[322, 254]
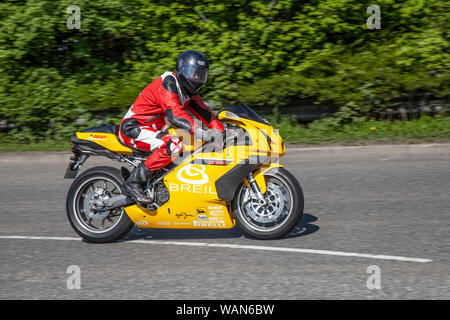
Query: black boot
[135, 182]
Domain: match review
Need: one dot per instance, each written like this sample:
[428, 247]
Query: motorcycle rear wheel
[283, 211]
[96, 225]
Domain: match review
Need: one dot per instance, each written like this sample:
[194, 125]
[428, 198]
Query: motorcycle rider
[170, 96]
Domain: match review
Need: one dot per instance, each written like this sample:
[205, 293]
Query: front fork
[257, 182]
[256, 189]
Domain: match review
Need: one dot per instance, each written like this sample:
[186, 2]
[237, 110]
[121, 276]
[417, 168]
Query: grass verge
[8, 145]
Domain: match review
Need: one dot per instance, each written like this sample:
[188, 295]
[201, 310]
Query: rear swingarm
[112, 203]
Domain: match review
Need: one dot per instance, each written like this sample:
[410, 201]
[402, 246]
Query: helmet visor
[195, 74]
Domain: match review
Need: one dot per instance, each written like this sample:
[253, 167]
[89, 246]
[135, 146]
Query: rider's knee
[174, 146]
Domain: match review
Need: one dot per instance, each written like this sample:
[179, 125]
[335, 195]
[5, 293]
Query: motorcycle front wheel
[281, 212]
[94, 225]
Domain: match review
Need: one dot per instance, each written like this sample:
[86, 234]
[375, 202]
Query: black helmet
[192, 70]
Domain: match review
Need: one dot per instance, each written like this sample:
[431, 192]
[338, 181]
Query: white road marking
[238, 246]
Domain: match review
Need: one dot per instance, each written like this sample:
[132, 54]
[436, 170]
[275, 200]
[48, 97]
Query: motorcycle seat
[114, 129]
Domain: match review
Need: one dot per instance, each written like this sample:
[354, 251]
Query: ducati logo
[193, 174]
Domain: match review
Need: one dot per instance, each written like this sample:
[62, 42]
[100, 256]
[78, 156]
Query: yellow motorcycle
[236, 180]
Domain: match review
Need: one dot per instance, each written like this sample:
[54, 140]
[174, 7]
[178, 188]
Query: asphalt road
[378, 200]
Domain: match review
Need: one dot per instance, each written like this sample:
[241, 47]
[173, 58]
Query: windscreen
[244, 111]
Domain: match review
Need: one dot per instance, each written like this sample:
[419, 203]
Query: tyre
[283, 211]
[93, 225]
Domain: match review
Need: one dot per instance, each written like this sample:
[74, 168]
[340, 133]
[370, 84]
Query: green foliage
[266, 53]
[371, 70]
[425, 128]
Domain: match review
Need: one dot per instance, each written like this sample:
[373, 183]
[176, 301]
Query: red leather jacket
[165, 98]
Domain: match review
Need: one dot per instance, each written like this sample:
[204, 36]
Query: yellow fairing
[107, 140]
[203, 215]
[265, 139]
